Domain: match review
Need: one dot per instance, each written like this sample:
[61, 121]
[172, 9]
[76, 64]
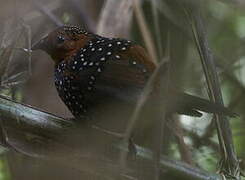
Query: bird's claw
[132, 150]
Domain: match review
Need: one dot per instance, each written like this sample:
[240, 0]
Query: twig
[202, 141]
[157, 28]
[183, 148]
[14, 77]
[165, 9]
[29, 44]
[230, 165]
[115, 18]
[48, 13]
[10, 52]
[12, 84]
[119, 25]
[52, 6]
[160, 115]
[139, 107]
[145, 31]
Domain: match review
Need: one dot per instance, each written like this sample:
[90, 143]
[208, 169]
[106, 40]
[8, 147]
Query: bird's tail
[183, 103]
[191, 105]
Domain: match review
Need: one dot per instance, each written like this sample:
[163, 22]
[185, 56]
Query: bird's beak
[42, 44]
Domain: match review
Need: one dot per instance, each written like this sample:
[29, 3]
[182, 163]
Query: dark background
[193, 140]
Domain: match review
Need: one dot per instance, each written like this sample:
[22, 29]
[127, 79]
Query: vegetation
[202, 40]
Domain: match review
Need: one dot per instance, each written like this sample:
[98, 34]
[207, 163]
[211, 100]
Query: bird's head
[63, 42]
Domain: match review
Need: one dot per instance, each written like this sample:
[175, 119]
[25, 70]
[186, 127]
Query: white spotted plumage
[89, 62]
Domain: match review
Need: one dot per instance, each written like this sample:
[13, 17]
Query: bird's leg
[132, 150]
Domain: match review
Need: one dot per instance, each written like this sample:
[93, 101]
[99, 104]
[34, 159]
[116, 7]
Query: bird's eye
[60, 39]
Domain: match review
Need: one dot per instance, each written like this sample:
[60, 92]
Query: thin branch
[33, 15]
[183, 148]
[29, 44]
[8, 53]
[48, 13]
[145, 31]
[117, 24]
[24, 120]
[157, 28]
[159, 112]
[230, 165]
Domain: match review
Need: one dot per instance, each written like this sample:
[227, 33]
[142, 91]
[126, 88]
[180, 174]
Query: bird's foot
[132, 150]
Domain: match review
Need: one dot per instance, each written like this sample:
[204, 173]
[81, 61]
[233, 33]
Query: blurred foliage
[226, 32]
[4, 168]
[225, 24]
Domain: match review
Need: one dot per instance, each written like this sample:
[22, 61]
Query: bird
[91, 71]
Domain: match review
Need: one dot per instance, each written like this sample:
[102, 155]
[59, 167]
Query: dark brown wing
[125, 78]
[112, 79]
